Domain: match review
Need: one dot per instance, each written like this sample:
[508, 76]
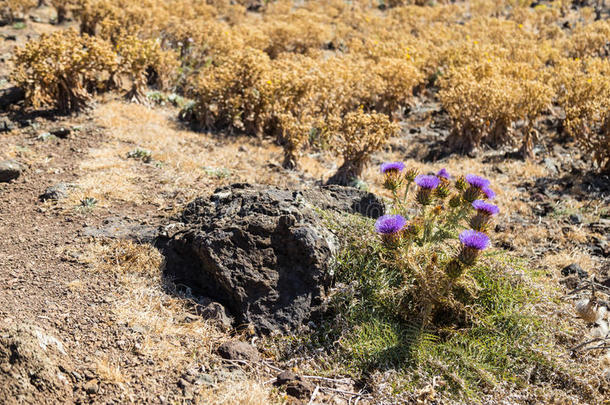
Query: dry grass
[239, 393]
[109, 372]
[184, 164]
[171, 336]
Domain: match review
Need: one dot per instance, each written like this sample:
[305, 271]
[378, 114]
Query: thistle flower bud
[460, 183]
[454, 269]
[471, 194]
[473, 242]
[424, 196]
[410, 175]
[413, 230]
[392, 172]
[476, 188]
[455, 201]
[442, 191]
[485, 212]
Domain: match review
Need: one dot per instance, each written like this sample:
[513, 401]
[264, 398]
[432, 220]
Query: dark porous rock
[262, 252]
[346, 199]
[9, 170]
[574, 269]
[56, 192]
[294, 385]
[238, 350]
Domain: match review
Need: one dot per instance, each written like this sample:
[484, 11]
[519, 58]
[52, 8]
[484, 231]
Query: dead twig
[315, 392]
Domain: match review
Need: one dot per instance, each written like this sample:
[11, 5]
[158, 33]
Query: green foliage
[499, 341]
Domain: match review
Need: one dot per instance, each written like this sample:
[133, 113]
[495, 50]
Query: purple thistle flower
[485, 207]
[489, 193]
[474, 240]
[390, 224]
[443, 173]
[392, 166]
[427, 181]
[477, 181]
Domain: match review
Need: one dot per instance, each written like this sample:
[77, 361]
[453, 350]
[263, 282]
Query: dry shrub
[229, 93]
[297, 32]
[11, 9]
[356, 137]
[63, 7]
[590, 40]
[143, 61]
[64, 69]
[485, 101]
[583, 91]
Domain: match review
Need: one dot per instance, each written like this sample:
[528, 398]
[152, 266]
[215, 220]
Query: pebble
[574, 269]
[92, 387]
[576, 219]
[9, 170]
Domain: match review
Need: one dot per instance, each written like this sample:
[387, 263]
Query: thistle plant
[424, 221]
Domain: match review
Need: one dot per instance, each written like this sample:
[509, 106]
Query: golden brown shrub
[583, 91]
[229, 93]
[10, 9]
[355, 137]
[64, 69]
[486, 99]
[143, 61]
[590, 40]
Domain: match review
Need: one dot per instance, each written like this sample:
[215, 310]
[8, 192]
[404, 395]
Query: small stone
[182, 383]
[61, 132]
[56, 192]
[217, 312]
[295, 385]
[574, 269]
[92, 387]
[500, 228]
[205, 379]
[237, 350]
[285, 377]
[9, 170]
[576, 219]
[6, 125]
[551, 165]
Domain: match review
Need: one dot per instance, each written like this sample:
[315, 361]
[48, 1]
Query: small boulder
[574, 269]
[56, 192]
[9, 170]
[576, 219]
[10, 96]
[217, 312]
[238, 350]
[294, 385]
[61, 132]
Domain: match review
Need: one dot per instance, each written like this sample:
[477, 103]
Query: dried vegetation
[289, 71]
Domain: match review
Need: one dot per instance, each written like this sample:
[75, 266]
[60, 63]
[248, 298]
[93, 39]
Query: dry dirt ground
[70, 267]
